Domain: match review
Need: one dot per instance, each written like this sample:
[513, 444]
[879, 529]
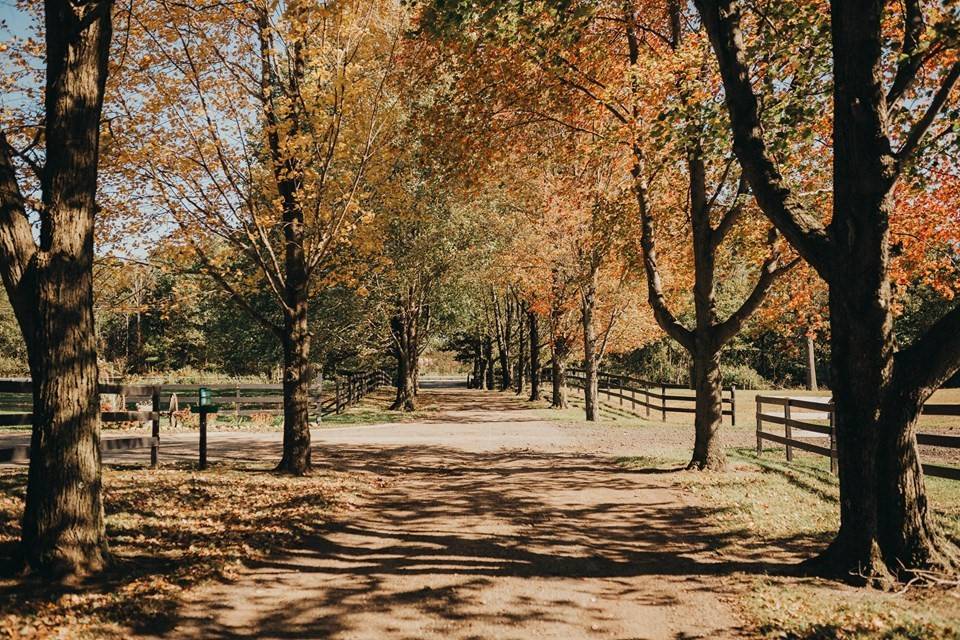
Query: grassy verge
[169, 530]
[774, 514]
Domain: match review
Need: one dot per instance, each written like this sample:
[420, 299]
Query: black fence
[125, 403]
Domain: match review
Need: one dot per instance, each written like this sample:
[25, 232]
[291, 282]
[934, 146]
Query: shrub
[743, 377]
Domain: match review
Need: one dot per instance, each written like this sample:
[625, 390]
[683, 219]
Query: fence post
[663, 400]
[833, 442]
[203, 439]
[786, 430]
[620, 389]
[646, 399]
[236, 405]
[759, 426]
[633, 399]
[336, 385]
[155, 428]
[733, 405]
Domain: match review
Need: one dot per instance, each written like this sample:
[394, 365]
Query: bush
[743, 377]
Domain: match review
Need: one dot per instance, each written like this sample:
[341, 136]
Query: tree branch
[769, 272]
[17, 246]
[731, 216]
[935, 356]
[910, 58]
[801, 227]
[923, 124]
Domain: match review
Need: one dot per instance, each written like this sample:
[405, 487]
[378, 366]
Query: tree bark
[708, 453]
[504, 331]
[480, 382]
[811, 364]
[533, 323]
[559, 379]
[488, 354]
[521, 351]
[590, 356]
[476, 373]
[51, 289]
[405, 399]
[296, 458]
[404, 326]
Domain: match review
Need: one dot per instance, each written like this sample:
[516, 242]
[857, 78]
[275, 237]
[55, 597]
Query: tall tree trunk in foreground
[51, 289]
[886, 528]
[533, 323]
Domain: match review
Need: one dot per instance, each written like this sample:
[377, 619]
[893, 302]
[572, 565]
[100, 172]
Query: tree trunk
[63, 530]
[885, 525]
[811, 364]
[296, 390]
[521, 352]
[488, 354]
[477, 372]
[505, 375]
[884, 522]
[51, 289]
[406, 350]
[481, 380]
[708, 451]
[533, 323]
[590, 356]
[559, 379]
[406, 386]
[504, 330]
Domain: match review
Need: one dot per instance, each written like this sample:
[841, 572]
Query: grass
[771, 510]
[169, 530]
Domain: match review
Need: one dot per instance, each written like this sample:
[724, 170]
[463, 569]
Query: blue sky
[16, 21]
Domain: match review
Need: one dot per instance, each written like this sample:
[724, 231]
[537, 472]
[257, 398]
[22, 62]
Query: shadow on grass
[818, 482]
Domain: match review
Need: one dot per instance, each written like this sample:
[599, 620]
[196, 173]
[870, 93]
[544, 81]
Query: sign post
[203, 408]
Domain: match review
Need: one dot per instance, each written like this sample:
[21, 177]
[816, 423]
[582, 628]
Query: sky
[14, 20]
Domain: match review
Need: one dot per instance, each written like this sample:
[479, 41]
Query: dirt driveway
[486, 522]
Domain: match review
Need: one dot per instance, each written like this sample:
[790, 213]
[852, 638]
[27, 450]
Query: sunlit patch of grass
[169, 530]
[813, 612]
[360, 416]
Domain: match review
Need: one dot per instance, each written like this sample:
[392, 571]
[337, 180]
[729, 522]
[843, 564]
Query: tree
[254, 126]
[620, 103]
[708, 335]
[50, 285]
[893, 75]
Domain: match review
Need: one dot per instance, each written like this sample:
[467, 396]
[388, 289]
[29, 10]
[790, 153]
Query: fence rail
[654, 397]
[817, 422]
[173, 400]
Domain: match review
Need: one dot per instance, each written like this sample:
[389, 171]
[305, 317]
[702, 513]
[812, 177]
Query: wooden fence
[813, 418]
[653, 397]
[237, 400]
